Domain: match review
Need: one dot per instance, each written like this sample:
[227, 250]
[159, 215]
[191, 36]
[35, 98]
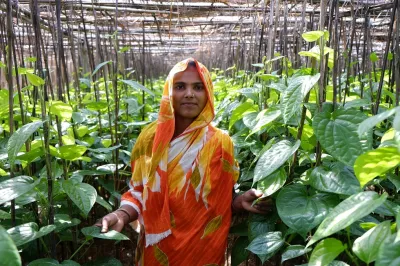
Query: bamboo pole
[9, 53]
[392, 20]
[36, 28]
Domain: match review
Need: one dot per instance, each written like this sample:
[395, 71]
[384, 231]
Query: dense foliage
[328, 157]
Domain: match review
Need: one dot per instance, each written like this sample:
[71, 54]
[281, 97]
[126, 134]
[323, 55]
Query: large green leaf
[137, 86]
[294, 251]
[292, 97]
[82, 194]
[62, 110]
[71, 152]
[8, 251]
[4, 215]
[44, 262]
[312, 36]
[270, 184]
[347, 212]
[34, 80]
[274, 158]
[260, 224]
[240, 111]
[366, 247]
[375, 163]
[335, 178]
[263, 119]
[18, 138]
[301, 211]
[389, 254]
[265, 245]
[370, 122]
[325, 252]
[63, 221]
[94, 231]
[25, 233]
[15, 187]
[239, 251]
[52, 262]
[337, 133]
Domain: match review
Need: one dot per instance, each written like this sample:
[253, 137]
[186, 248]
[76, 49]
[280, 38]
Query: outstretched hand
[245, 201]
[112, 221]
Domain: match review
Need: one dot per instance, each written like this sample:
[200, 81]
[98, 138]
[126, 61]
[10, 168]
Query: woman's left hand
[244, 202]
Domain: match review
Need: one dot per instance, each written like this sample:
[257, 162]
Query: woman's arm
[117, 219]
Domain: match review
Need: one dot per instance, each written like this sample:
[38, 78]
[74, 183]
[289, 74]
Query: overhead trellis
[219, 33]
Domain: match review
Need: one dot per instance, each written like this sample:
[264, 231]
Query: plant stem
[76, 251]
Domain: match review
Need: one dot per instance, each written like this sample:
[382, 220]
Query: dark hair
[191, 64]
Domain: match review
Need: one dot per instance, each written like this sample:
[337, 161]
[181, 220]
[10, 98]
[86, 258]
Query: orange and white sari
[182, 187]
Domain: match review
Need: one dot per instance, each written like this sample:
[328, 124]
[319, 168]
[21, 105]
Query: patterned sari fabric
[182, 187]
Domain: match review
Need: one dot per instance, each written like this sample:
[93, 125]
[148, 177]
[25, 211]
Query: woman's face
[189, 95]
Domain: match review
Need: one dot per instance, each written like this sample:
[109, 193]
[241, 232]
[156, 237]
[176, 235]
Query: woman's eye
[198, 87]
[179, 87]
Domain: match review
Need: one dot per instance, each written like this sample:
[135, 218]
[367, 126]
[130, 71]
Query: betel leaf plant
[331, 167]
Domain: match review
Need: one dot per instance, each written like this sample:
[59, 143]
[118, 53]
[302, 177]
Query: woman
[183, 172]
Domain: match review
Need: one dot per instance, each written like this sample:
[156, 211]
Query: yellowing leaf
[374, 163]
[212, 226]
[160, 256]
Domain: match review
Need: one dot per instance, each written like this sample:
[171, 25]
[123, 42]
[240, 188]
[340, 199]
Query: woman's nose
[189, 92]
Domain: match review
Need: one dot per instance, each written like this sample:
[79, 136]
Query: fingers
[104, 225]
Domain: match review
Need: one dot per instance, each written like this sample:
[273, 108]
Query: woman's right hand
[113, 221]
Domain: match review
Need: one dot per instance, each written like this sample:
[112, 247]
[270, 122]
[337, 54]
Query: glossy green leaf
[4, 215]
[370, 122]
[19, 137]
[63, 221]
[62, 110]
[69, 263]
[82, 194]
[44, 262]
[337, 133]
[137, 86]
[326, 251]
[294, 251]
[274, 158]
[34, 79]
[25, 233]
[100, 66]
[97, 106]
[239, 251]
[301, 211]
[265, 245]
[8, 251]
[263, 119]
[260, 224]
[292, 97]
[240, 111]
[389, 254]
[82, 130]
[71, 152]
[335, 178]
[104, 203]
[15, 187]
[270, 184]
[367, 246]
[347, 212]
[375, 163]
[312, 36]
[94, 231]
